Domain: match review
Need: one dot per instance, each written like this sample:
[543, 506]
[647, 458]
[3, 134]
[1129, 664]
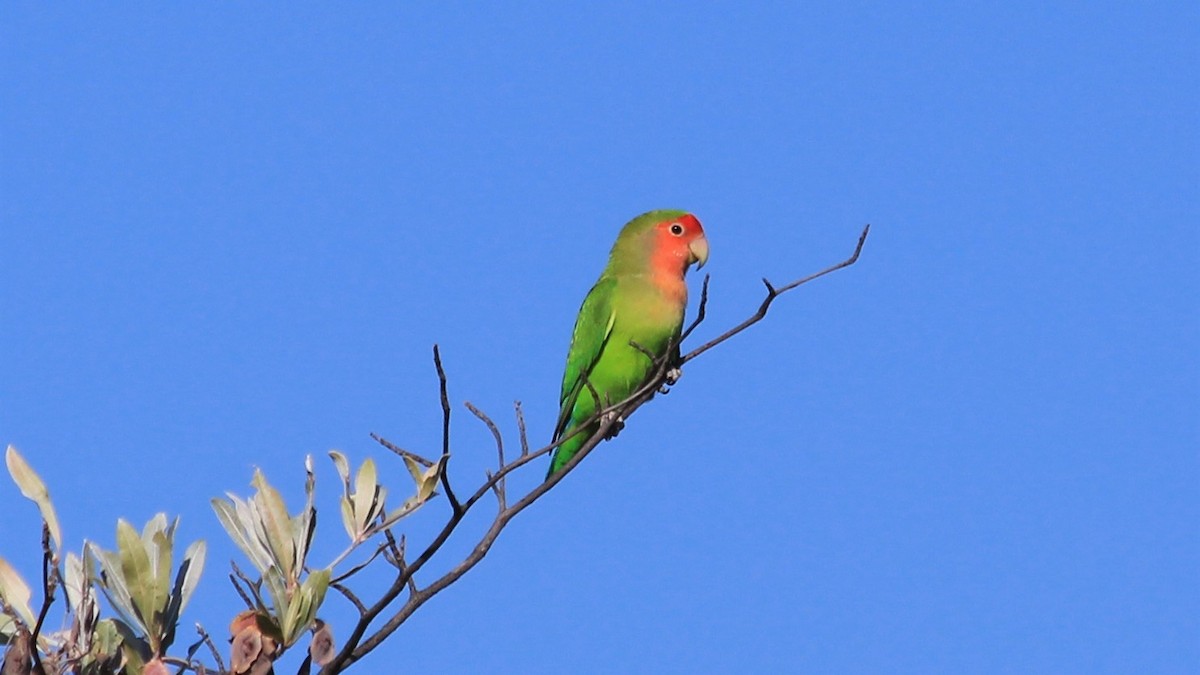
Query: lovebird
[639, 298]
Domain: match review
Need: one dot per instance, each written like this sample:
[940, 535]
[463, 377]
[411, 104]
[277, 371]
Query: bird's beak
[698, 252]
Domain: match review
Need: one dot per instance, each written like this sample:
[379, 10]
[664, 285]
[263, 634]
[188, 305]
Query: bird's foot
[618, 423]
[671, 378]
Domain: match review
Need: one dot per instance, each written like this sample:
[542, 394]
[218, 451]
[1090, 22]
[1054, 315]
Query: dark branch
[340, 588]
[211, 647]
[700, 311]
[401, 451]
[48, 585]
[773, 293]
[445, 477]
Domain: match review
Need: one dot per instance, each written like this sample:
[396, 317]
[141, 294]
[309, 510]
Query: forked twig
[773, 293]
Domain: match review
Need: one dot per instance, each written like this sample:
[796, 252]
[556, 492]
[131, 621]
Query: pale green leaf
[16, 593]
[112, 582]
[343, 468]
[413, 468]
[190, 571]
[137, 572]
[305, 604]
[227, 514]
[276, 524]
[33, 488]
[277, 589]
[365, 494]
[80, 592]
[348, 519]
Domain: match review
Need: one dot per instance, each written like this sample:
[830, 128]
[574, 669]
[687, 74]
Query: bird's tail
[563, 453]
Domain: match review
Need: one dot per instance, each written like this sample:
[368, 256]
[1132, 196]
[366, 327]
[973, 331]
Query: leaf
[305, 604]
[343, 467]
[16, 594]
[413, 468]
[137, 572]
[277, 589]
[365, 494]
[237, 518]
[33, 488]
[106, 641]
[276, 524]
[80, 592]
[190, 571]
[348, 518]
[112, 582]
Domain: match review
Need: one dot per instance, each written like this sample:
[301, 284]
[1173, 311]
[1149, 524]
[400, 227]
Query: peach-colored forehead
[690, 223]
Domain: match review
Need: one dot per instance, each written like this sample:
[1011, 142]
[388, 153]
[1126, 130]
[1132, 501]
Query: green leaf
[33, 488]
[15, 593]
[348, 518]
[276, 524]
[185, 583]
[190, 571]
[343, 468]
[112, 582]
[366, 495]
[304, 606]
[106, 640]
[238, 519]
[158, 542]
[137, 572]
[80, 592]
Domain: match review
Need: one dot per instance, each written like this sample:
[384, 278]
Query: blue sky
[231, 234]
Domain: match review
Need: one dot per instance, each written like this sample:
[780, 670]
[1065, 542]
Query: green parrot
[640, 298]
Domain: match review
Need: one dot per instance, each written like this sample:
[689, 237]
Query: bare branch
[252, 586]
[445, 476]
[358, 568]
[521, 428]
[49, 574]
[649, 354]
[211, 647]
[491, 427]
[358, 604]
[700, 311]
[401, 451]
[773, 293]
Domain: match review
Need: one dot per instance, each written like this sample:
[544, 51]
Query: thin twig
[445, 476]
[251, 586]
[357, 568]
[394, 553]
[773, 293]
[358, 604]
[700, 311]
[521, 428]
[48, 585]
[401, 451]
[211, 647]
[491, 427]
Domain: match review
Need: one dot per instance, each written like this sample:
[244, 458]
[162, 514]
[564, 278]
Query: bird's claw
[618, 423]
[673, 376]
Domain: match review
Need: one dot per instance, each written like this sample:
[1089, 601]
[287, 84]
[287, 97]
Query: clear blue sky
[230, 235]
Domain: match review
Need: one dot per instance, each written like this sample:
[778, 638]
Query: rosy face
[680, 240]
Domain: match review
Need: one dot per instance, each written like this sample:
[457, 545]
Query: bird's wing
[592, 329]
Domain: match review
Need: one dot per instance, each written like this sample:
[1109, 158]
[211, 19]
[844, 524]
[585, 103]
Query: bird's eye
[676, 229]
